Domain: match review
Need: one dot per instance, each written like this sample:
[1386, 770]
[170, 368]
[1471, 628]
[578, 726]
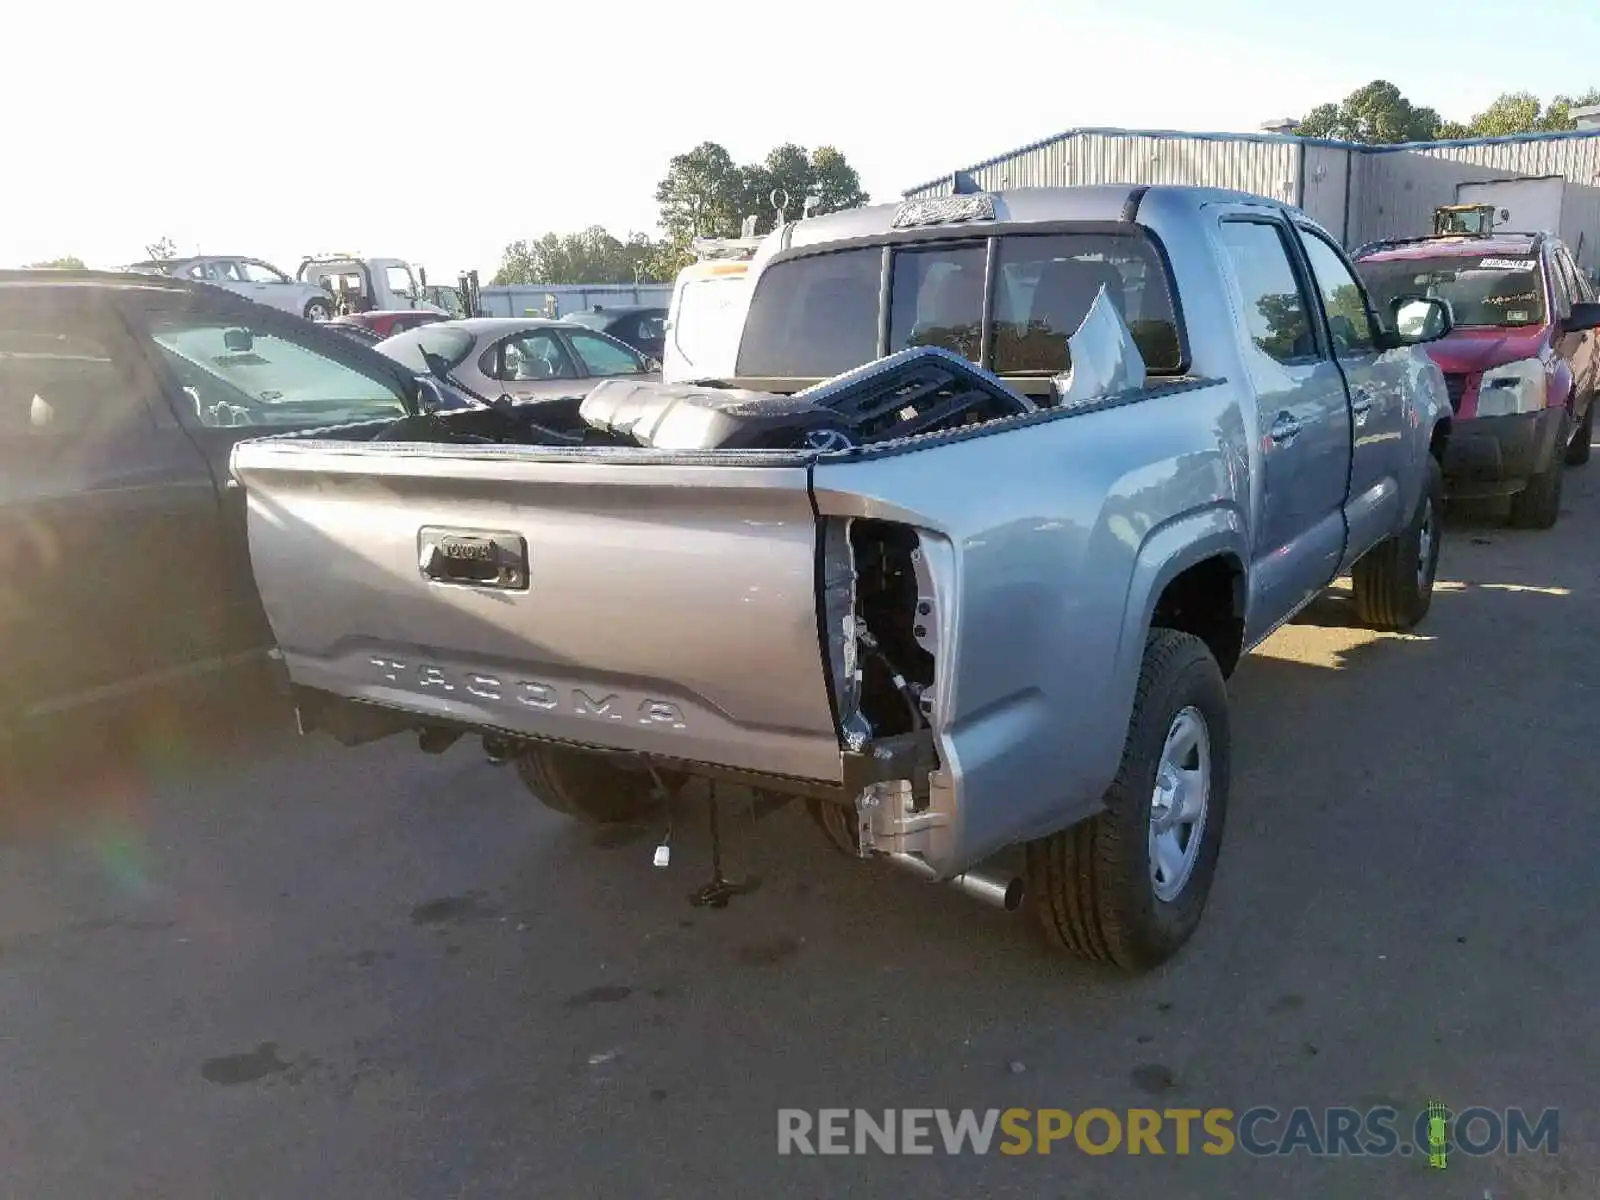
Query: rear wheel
[838, 824]
[1393, 582]
[318, 310]
[586, 786]
[1578, 452]
[1128, 886]
[1539, 504]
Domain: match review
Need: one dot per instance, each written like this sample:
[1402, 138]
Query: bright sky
[439, 134]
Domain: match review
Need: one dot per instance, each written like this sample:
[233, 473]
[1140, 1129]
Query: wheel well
[1207, 600]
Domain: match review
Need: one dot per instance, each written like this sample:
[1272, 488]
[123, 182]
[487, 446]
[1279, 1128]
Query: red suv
[1522, 363]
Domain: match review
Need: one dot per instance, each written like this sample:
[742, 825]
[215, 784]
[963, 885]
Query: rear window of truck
[817, 316]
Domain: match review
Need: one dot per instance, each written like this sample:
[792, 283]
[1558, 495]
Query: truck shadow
[1345, 759]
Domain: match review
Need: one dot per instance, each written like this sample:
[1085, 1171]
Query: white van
[705, 320]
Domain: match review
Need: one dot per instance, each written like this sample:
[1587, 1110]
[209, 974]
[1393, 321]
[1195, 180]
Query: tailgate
[664, 608]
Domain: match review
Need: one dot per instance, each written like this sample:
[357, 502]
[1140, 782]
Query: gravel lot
[233, 963]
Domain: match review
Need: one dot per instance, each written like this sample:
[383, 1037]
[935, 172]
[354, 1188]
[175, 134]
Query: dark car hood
[1470, 351]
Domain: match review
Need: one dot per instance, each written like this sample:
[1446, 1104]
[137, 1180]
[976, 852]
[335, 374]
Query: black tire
[1539, 504]
[588, 787]
[1578, 452]
[1393, 583]
[318, 310]
[838, 825]
[1092, 885]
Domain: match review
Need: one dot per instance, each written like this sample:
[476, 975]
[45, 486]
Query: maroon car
[1522, 363]
[388, 322]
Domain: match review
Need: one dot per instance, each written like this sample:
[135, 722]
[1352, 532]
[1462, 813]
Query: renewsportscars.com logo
[1433, 1132]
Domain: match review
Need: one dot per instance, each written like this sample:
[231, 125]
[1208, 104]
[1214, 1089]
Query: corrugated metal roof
[1361, 147]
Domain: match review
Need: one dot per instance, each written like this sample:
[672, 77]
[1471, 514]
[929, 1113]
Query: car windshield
[1482, 289]
[415, 347]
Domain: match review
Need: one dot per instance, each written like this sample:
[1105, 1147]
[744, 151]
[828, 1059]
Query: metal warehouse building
[1358, 192]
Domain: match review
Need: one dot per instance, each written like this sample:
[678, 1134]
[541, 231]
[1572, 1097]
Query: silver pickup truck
[912, 564]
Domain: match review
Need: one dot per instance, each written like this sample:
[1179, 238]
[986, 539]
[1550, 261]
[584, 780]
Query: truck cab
[363, 284]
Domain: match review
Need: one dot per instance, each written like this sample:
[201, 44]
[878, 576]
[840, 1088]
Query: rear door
[1305, 416]
[110, 537]
[602, 357]
[293, 375]
[1376, 383]
[267, 285]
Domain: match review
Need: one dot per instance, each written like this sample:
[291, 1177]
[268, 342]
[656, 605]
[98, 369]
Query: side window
[1274, 308]
[535, 355]
[601, 357]
[223, 270]
[261, 273]
[238, 370]
[936, 299]
[652, 329]
[1343, 298]
[399, 280]
[65, 368]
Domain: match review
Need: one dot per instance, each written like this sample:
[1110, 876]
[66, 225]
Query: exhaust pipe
[1000, 891]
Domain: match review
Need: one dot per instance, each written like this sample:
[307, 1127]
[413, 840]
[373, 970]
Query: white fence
[528, 299]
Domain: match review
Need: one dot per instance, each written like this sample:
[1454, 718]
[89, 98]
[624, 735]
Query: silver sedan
[526, 358]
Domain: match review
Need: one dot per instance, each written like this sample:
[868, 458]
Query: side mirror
[1585, 316]
[429, 398]
[1419, 319]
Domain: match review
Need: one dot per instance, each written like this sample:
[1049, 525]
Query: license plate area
[479, 558]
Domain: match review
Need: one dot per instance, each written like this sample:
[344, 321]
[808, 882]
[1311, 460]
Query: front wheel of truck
[586, 786]
[1393, 582]
[1127, 887]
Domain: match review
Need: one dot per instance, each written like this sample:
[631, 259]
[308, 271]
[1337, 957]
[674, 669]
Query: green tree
[701, 194]
[70, 262]
[1376, 114]
[1521, 112]
[164, 250]
[704, 194]
[591, 255]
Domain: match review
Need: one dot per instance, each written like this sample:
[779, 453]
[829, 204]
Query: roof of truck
[1020, 206]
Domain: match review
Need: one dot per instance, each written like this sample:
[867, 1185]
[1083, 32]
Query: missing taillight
[882, 625]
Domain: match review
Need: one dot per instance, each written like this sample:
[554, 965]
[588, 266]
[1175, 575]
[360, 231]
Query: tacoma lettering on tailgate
[531, 693]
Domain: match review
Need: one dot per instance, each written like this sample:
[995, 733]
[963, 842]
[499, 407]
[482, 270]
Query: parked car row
[1130, 429]
[324, 286]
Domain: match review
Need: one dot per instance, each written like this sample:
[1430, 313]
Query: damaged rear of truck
[902, 567]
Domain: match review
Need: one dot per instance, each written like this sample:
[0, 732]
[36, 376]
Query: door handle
[1284, 428]
[473, 558]
[1360, 401]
